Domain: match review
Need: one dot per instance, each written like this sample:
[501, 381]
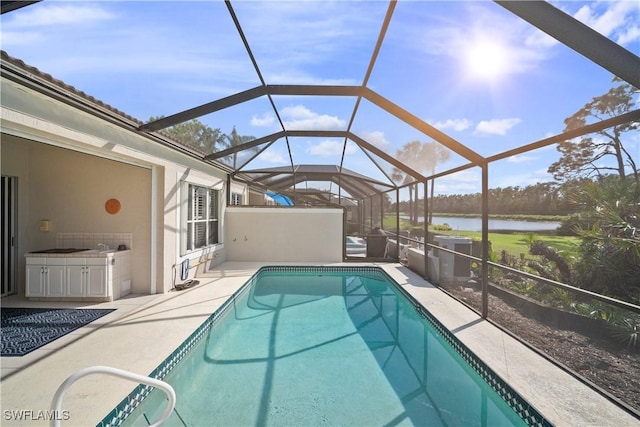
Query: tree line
[199, 136]
[597, 185]
[545, 198]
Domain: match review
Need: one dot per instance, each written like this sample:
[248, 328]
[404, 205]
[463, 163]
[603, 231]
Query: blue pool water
[337, 347]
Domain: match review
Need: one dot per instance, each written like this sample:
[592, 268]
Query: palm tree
[609, 255]
[411, 155]
[423, 158]
[434, 153]
[234, 140]
[194, 134]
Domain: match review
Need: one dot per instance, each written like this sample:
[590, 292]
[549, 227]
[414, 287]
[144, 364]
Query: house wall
[299, 234]
[69, 162]
[70, 189]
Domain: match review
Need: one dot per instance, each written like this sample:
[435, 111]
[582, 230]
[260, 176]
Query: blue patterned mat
[26, 329]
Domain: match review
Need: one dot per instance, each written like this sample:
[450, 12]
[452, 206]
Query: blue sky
[472, 69]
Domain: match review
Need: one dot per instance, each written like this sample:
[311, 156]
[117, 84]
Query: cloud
[330, 147]
[36, 24]
[265, 120]
[272, 156]
[523, 179]
[521, 159]
[18, 38]
[629, 35]
[299, 77]
[467, 181]
[539, 40]
[496, 126]
[616, 21]
[376, 138]
[300, 117]
[308, 37]
[57, 15]
[455, 124]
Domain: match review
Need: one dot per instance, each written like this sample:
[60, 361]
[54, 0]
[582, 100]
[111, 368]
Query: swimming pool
[325, 345]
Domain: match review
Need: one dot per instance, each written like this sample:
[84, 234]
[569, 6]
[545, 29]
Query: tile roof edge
[48, 78]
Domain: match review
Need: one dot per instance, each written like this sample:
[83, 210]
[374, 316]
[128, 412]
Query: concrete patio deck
[144, 330]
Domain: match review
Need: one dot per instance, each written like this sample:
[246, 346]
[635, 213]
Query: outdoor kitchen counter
[89, 275]
[89, 253]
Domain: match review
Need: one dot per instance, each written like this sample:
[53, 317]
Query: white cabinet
[45, 277]
[36, 285]
[87, 277]
[96, 276]
[76, 282]
[56, 282]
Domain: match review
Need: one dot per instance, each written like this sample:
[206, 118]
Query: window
[202, 217]
[236, 199]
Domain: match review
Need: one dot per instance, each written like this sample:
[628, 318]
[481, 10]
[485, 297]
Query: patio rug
[26, 329]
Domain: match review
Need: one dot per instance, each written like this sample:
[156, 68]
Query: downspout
[228, 190]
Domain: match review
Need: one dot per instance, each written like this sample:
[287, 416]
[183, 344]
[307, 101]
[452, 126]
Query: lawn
[514, 243]
[518, 243]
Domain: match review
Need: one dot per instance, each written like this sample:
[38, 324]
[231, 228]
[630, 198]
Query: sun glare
[486, 59]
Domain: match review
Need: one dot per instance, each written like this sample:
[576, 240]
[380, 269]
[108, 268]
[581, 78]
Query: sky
[469, 68]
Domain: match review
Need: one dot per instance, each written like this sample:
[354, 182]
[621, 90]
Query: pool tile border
[526, 411]
[120, 413]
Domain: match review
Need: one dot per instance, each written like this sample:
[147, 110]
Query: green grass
[518, 243]
[514, 243]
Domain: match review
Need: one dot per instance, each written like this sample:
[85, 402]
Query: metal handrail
[141, 379]
[582, 292]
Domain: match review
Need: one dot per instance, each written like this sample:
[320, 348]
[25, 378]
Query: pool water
[309, 346]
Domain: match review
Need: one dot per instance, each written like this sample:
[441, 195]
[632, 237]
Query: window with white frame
[202, 217]
[236, 199]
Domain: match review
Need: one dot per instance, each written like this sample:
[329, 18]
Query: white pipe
[141, 379]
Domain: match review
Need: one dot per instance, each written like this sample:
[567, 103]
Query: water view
[475, 224]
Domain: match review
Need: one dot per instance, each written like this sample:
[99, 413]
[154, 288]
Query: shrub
[571, 225]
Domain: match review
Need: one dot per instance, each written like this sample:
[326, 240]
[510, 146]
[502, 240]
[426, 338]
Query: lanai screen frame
[541, 14]
[554, 22]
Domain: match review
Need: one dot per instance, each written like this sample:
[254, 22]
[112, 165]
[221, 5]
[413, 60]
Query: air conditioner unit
[453, 268]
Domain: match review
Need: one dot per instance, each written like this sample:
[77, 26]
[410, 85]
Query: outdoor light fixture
[45, 225]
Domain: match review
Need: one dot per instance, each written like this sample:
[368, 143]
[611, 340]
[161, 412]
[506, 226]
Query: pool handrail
[165, 387]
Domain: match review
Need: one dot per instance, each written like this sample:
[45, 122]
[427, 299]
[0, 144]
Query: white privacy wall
[283, 234]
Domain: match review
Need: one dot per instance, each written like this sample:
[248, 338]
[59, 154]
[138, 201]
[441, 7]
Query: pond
[475, 224]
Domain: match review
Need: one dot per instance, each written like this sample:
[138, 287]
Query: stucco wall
[105, 160]
[70, 189]
[298, 234]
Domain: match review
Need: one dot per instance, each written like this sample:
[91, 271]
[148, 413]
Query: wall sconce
[45, 225]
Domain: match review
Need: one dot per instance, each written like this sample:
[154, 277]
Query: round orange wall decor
[112, 206]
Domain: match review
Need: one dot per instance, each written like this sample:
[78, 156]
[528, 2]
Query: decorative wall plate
[112, 206]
